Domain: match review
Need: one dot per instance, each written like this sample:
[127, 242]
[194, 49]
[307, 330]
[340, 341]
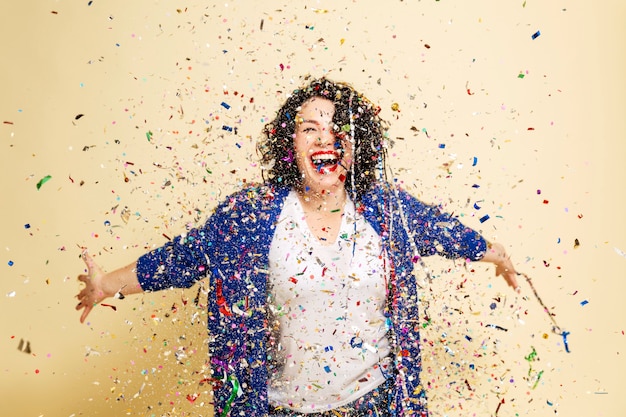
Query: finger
[85, 313]
[83, 278]
[88, 260]
[513, 282]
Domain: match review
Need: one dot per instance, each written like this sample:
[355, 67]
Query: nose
[326, 137]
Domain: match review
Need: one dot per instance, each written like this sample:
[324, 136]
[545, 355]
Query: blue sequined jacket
[232, 248]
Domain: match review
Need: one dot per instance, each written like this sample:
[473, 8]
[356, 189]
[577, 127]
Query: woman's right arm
[100, 285]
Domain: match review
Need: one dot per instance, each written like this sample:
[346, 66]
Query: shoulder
[382, 191]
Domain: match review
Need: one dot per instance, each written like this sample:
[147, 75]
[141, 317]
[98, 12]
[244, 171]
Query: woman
[313, 305]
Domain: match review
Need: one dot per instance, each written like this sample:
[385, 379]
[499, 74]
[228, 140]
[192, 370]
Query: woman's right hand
[95, 289]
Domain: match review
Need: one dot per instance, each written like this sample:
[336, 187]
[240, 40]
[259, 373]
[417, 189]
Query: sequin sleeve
[439, 233]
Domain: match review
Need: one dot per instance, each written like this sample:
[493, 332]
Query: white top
[326, 303]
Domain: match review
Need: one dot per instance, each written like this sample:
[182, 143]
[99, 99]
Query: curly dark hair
[276, 147]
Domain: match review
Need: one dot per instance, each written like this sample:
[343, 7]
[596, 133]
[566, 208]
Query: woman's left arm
[496, 254]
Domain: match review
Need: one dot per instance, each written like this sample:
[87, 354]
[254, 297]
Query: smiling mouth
[325, 162]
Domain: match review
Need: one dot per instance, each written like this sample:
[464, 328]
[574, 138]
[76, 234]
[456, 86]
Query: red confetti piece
[109, 305]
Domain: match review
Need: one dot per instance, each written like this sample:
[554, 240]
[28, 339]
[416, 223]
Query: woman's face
[323, 155]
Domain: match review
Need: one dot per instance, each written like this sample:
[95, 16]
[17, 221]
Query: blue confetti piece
[227, 128]
[484, 218]
[27, 226]
[475, 161]
[226, 105]
[536, 35]
[327, 369]
[584, 302]
[564, 335]
[10, 263]
[476, 206]
[442, 145]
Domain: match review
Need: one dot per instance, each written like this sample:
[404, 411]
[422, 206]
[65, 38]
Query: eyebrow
[301, 120]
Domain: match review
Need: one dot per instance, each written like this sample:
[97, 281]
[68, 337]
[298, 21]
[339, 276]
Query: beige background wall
[544, 119]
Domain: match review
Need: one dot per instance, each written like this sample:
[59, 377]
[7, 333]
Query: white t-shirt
[329, 335]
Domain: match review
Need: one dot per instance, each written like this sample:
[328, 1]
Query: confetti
[498, 407]
[495, 326]
[24, 346]
[43, 181]
[620, 252]
[536, 35]
[564, 335]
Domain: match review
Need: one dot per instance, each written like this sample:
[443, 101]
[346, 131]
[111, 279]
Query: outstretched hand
[94, 291]
[506, 269]
[497, 255]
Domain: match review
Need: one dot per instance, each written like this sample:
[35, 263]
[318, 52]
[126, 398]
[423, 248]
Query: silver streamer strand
[556, 329]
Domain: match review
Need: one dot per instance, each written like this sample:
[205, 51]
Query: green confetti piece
[149, 135]
[43, 181]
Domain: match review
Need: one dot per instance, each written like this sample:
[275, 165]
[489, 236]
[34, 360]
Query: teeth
[324, 159]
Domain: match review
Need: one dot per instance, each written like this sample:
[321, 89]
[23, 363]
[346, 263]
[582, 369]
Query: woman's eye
[308, 129]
